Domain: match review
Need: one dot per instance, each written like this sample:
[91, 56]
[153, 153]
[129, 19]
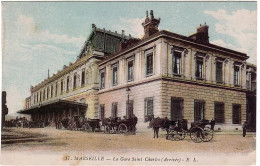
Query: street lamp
[128, 92]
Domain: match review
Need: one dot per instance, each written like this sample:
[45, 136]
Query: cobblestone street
[50, 140]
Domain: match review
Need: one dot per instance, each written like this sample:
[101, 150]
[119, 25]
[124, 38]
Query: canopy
[53, 105]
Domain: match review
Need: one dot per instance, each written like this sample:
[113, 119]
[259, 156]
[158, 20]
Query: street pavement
[50, 140]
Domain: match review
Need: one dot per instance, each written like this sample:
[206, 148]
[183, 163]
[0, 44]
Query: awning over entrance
[53, 105]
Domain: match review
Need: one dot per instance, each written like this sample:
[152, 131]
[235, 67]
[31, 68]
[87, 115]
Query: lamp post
[128, 92]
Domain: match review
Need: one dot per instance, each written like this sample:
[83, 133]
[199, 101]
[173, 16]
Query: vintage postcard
[129, 83]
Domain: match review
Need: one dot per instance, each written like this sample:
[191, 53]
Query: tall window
[44, 94]
[199, 67]
[68, 83]
[236, 75]
[102, 111]
[40, 96]
[130, 70]
[176, 108]
[83, 77]
[61, 86]
[129, 109]
[87, 76]
[236, 114]
[219, 72]
[148, 106]
[176, 62]
[114, 110]
[51, 91]
[48, 89]
[75, 81]
[149, 64]
[37, 97]
[199, 110]
[219, 112]
[56, 89]
[114, 75]
[102, 79]
[34, 98]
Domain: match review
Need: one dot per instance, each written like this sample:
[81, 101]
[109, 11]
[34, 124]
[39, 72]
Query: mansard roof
[95, 41]
[103, 40]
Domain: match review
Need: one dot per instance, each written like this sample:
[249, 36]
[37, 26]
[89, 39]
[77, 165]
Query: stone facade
[228, 88]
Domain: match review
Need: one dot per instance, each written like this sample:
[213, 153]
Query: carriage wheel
[173, 135]
[74, 127]
[133, 131]
[86, 127]
[196, 134]
[70, 127]
[60, 126]
[208, 134]
[107, 129]
[122, 129]
[181, 134]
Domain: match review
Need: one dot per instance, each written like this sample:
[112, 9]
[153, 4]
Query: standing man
[212, 124]
[244, 128]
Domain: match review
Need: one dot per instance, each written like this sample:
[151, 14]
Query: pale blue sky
[42, 35]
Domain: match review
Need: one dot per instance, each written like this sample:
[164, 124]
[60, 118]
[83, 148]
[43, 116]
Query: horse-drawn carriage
[199, 131]
[23, 122]
[35, 124]
[177, 130]
[79, 122]
[120, 126]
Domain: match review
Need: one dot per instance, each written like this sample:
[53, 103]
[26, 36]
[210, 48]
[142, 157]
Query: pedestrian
[244, 128]
[212, 124]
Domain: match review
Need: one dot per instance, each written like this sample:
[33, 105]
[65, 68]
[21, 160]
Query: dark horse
[157, 123]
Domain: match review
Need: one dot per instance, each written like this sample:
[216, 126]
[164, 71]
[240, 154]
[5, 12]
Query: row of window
[130, 76]
[176, 68]
[40, 96]
[177, 110]
[199, 111]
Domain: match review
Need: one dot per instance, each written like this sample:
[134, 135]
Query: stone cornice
[168, 78]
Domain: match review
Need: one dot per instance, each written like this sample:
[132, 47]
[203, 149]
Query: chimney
[123, 33]
[93, 27]
[202, 35]
[150, 25]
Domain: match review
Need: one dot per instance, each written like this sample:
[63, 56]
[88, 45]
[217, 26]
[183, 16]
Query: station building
[74, 89]
[174, 76]
[164, 74]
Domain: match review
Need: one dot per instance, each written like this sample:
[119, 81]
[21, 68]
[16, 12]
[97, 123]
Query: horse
[94, 123]
[157, 123]
[104, 123]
